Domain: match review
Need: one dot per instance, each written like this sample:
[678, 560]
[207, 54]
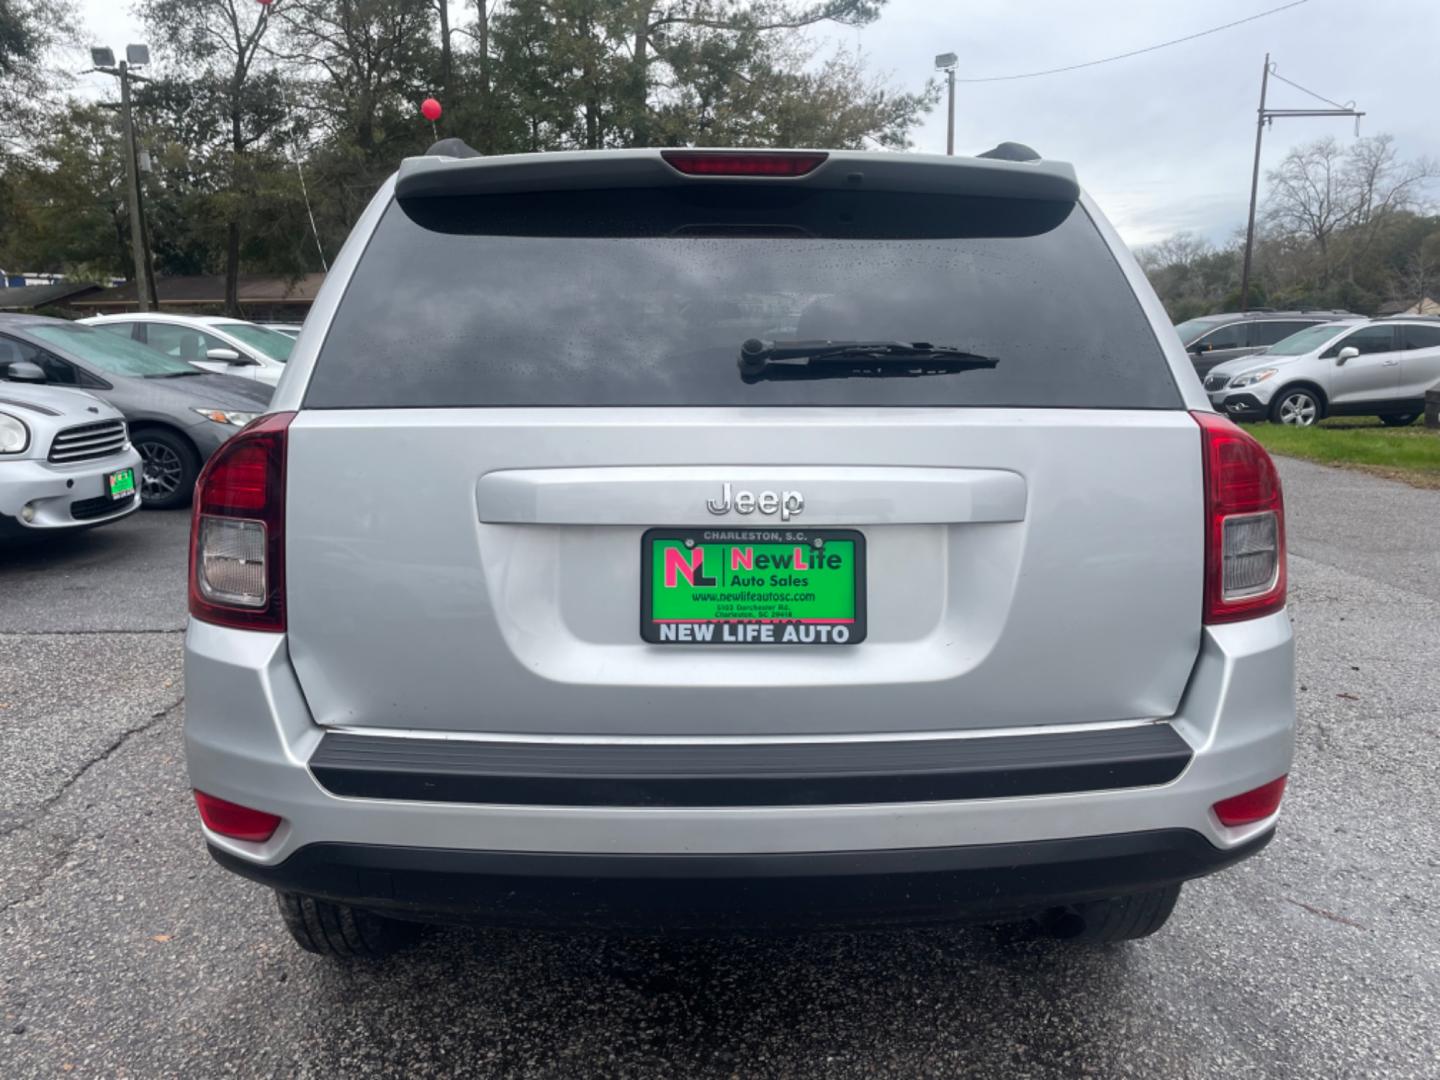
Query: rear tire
[1118, 918]
[1297, 406]
[337, 930]
[1399, 419]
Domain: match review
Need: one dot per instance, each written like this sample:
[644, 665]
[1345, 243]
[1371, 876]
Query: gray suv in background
[681, 538]
[1214, 339]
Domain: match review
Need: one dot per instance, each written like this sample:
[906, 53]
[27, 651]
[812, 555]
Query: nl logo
[690, 565]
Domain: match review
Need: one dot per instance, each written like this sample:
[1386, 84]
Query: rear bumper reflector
[236, 821]
[1251, 806]
[751, 774]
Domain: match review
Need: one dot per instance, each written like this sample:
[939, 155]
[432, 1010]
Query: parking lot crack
[1324, 914]
[53, 865]
[102, 755]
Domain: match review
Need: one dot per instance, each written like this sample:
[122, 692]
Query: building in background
[36, 297]
[263, 297]
[1427, 305]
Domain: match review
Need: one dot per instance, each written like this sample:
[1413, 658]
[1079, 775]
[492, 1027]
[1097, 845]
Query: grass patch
[1411, 454]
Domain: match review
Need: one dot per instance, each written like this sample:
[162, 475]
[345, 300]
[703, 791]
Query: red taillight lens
[235, 821]
[1251, 806]
[1244, 524]
[237, 534]
[742, 162]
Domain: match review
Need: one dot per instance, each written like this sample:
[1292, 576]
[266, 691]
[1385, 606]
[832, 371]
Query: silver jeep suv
[731, 538]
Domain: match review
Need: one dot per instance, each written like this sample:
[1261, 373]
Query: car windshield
[273, 344]
[1307, 340]
[112, 354]
[1193, 328]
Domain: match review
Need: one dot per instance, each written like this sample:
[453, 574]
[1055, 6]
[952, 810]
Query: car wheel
[337, 930]
[168, 468]
[1118, 918]
[1399, 419]
[1298, 408]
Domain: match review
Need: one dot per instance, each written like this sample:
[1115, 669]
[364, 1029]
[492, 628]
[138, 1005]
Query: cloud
[1163, 141]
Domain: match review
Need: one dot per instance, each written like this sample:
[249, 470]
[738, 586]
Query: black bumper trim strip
[750, 774]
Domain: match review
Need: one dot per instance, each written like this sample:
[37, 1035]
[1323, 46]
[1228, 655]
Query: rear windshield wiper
[845, 359]
[173, 374]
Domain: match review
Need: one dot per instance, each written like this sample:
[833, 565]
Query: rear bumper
[250, 739]
[794, 890]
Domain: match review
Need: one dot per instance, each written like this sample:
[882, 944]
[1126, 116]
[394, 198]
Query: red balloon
[266, 3]
[430, 109]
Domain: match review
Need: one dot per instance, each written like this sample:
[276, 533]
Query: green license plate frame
[807, 589]
[120, 484]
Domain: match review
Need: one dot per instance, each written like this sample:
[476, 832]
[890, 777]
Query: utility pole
[1254, 191]
[1267, 116]
[104, 60]
[947, 62]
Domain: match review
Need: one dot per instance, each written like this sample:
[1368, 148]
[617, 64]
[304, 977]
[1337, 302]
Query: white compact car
[225, 346]
[66, 461]
[1355, 367]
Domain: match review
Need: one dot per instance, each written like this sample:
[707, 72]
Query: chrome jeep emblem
[787, 504]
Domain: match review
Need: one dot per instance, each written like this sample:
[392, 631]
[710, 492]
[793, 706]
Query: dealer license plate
[752, 587]
[120, 485]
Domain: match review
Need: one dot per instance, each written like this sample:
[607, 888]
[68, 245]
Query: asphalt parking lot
[125, 952]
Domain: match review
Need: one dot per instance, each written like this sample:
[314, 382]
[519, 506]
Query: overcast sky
[1163, 141]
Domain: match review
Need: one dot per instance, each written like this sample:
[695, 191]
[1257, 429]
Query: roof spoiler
[1010, 170]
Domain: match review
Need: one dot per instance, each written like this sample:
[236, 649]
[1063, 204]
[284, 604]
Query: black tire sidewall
[189, 464]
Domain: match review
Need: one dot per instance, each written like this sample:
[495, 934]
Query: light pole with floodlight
[104, 61]
[947, 62]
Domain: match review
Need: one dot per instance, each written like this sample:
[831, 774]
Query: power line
[1137, 52]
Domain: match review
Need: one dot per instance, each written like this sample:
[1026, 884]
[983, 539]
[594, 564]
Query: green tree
[29, 86]
[200, 190]
[596, 73]
[219, 42]
[366, 63]
[361, 69]
[68, 199]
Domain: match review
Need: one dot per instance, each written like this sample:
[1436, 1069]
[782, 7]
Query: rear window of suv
[643, 298]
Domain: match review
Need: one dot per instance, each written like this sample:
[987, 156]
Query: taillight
[743, 162]
[1244, 524]
[236, 821]
[237, 534]
[1251, 806]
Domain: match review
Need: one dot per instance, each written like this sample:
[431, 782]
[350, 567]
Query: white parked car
[1356, 367]
[212, 342]
[66, 462]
